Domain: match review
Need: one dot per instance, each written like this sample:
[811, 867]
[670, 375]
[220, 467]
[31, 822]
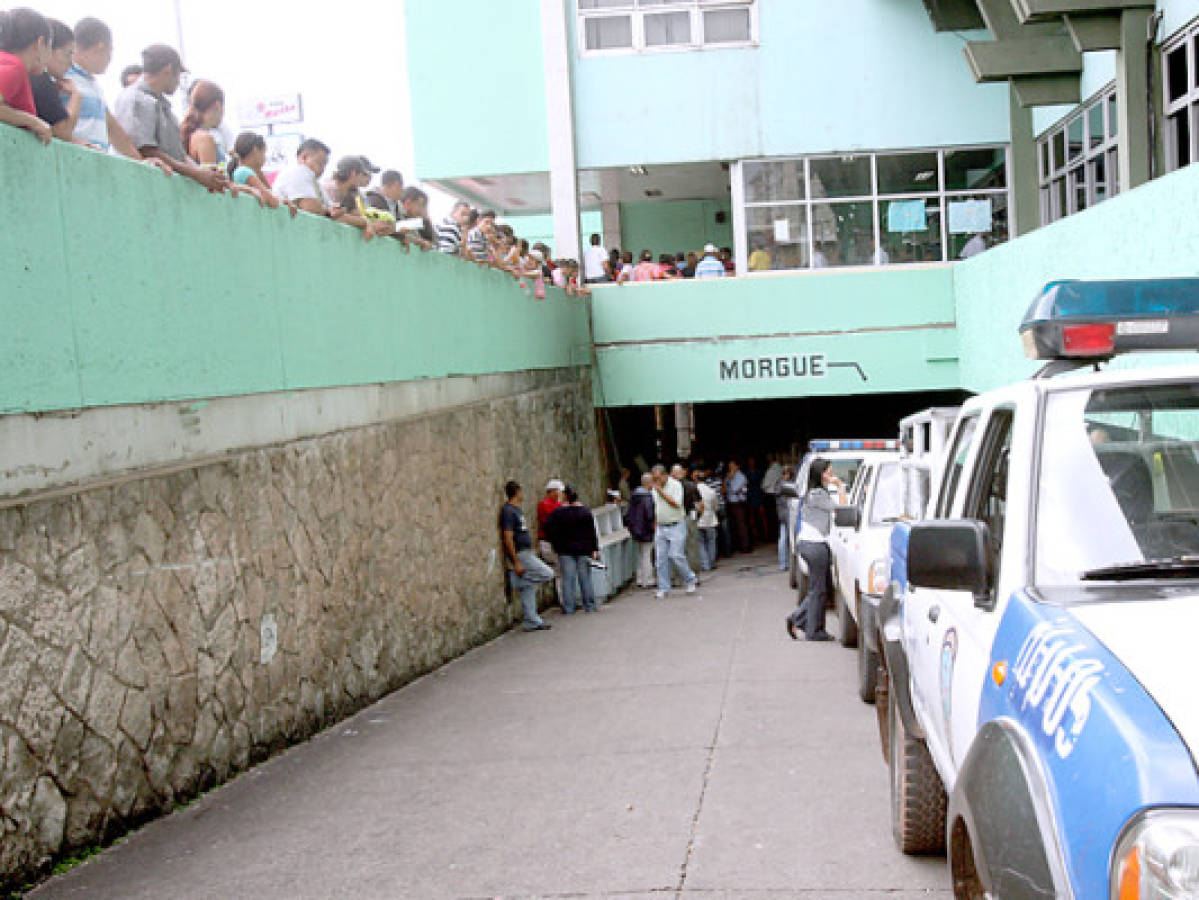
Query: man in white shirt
[299, 184]
[708, 522]
[670, 537]
[596, 268]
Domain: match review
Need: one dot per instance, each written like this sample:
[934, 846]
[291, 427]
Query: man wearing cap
[710, 266]
[342, 188]
[144, 112]
[550, 502]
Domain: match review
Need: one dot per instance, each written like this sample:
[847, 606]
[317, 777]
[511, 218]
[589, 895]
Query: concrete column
[737, 197]
[559, 109]
[610, 208]
[1023, 177]
[1132, 102]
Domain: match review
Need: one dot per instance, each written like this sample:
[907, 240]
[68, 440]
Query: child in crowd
[245, 168]
[24, 51]
[56, 97]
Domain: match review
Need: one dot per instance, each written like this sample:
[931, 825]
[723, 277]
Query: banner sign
[278, 109]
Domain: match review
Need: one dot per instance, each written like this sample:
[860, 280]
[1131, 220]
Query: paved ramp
[674, 748]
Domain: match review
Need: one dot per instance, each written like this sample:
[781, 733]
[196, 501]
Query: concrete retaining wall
[160, 633]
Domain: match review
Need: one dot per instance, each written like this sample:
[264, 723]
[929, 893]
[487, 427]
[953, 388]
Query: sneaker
[691, 587]
[659, 595]
[540, 626]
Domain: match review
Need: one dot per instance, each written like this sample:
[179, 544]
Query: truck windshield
[901, 493]
[1119, 486]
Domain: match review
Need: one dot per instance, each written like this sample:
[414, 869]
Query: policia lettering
[1052, 679]
[814, 365]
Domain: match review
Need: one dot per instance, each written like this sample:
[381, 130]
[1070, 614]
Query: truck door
[844, 538]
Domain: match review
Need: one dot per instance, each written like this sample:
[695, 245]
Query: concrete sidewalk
[682, 747]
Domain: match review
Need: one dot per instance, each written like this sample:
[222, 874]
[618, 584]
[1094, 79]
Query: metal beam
[1010, 57]
[953, 15]
[1095, 31]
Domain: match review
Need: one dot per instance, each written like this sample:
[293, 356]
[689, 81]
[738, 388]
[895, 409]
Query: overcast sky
[347, 60]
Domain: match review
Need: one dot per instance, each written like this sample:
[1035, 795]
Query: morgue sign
[761, 368]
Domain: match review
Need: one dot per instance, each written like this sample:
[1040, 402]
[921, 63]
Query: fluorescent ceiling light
[924, 176]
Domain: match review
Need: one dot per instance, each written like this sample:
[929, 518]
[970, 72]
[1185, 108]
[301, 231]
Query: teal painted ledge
[827, 300]
[1151, 232]
[123, 286]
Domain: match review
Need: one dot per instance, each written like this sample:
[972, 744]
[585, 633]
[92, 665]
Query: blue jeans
[536, 572]
[670, 546]
[784, 554]
[576, 573]
[707, 547]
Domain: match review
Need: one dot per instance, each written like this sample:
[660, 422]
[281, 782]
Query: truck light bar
[821, 445]
[1098, 319]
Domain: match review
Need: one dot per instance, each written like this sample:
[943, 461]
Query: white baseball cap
[710, 248]
[555, 484]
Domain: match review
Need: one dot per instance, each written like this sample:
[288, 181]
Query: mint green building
[881, 169]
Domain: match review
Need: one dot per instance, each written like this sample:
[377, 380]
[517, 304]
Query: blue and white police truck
[1038, 699]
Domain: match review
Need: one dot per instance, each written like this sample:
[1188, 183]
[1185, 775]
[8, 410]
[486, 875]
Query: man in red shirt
[551, 501]
[24, 51]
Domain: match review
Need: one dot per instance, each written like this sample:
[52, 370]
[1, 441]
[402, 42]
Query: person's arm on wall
[22, 119]
[65, 129]
[510, 552]
[211, 179]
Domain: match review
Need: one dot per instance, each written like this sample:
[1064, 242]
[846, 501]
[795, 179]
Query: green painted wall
[674, 226]
[656, 342]
[123, 286]
[1150, 232]
[478, 89]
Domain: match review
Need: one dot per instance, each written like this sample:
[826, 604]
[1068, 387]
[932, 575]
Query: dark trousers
[810, 614]
[739, 526]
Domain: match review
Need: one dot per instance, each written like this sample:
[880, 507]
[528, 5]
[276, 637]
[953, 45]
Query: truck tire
[918, 799]
[849, 627]
[867, 672]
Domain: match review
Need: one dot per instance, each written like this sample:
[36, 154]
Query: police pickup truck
[1038, 700]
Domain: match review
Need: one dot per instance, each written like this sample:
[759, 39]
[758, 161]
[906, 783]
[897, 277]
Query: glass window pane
[1058, 198]
[1113, 172]
[1098, 178]
[1113, 124]
[844, 234]
[1074, 136]
[1178, 152]
[777, 237]
[974, 170]
[910, 231]
[782, 180]
[1044, 160]
[1095, 126]
[1195, 56]
[1077, 179]
[1176, 74]
[604, 4]
[843, 176]
[907, 173]
[1059, 150]
[726, 26]
[666, 29]
[978, 222]
[608, 32]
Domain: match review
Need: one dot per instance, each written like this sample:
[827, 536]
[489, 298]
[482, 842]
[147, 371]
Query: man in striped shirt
[449, 231]
[479, 238]
[710, 266]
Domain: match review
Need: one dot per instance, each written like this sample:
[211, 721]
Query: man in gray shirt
[144, 112]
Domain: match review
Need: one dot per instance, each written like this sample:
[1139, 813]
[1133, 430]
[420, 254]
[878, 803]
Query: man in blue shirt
[710, 266]
[736, 495]
[526, 570]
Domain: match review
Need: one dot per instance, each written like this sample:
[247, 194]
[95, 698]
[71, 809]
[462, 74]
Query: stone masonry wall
[160, 635]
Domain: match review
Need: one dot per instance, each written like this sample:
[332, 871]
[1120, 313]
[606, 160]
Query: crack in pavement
[703, 791]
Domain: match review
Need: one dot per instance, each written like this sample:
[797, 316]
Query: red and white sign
[280, 109]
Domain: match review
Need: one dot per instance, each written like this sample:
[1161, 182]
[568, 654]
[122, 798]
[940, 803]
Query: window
[1078, 161]
[866, 209]
[1180, 92]
[650, 25]
[962, 442]
[989, 488]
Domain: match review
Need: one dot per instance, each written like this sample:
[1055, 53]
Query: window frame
[1185, 39]
[636, 12]
[940, 192]
[1058, 194]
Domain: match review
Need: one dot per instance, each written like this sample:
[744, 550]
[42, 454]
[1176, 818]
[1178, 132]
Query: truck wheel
[849, 628]
[867, 672]
[918, 798]
[967, 885]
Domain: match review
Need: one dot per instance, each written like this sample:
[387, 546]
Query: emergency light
[1098, 319]
[821, 445]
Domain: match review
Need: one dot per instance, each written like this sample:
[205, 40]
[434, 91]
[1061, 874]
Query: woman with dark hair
[24, 51]
[57, 98]
[200, 128]
[571, 531]
[816, 521]
[245, 168]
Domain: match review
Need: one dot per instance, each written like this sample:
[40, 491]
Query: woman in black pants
[816, 521]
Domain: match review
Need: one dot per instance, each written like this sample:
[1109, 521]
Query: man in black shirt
[51, 85]
[524, 569]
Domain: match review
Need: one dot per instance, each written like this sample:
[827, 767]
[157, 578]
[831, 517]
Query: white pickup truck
[1037, 695]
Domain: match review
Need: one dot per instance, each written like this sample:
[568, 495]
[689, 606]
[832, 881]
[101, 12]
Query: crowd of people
[49, 86]
[601, 266]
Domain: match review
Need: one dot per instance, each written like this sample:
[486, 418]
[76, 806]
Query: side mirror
[951, 555]
[788, 489]
[847, 516]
